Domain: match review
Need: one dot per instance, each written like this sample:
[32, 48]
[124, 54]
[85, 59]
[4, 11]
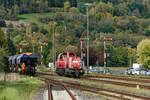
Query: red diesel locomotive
[69, 64]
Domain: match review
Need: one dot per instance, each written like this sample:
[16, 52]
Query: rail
[49, 85]
[135, 79]
[134, 85]
[106, 92]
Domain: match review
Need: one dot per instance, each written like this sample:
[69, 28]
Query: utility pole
[87, 5]
[53, 42]
[81, 43]
[32, 48]
[21, 45]
[33, 44]
[41, 46]
[54, 55]
[105, 39]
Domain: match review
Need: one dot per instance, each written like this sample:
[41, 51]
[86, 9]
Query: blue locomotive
[23, 63]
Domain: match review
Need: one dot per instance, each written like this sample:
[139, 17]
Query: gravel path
[60, 94]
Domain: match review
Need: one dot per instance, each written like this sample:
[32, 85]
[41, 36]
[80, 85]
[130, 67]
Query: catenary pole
[41, 46]
[87, 14]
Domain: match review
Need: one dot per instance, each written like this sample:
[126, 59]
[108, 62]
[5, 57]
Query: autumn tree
[66, 6]
[143, 52]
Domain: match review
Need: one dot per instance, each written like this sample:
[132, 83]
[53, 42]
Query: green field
[20, 90]
[28, 18]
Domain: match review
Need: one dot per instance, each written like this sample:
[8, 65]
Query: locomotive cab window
[63, 56]
[71, 55]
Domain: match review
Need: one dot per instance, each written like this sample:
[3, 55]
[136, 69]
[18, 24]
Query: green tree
[82, 7]
[16, 10]
[120, 10]
[131, 56]
[147, 31]
[3, 52]
[3, 59]
[143, 52]
[11, 47]
[103, 7]
[119, 57]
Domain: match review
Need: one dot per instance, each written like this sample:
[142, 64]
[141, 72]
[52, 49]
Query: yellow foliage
[143, 52]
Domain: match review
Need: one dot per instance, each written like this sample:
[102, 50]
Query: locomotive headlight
[75, 61]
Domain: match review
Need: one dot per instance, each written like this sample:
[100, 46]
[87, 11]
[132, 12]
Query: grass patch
[20, 90]
[118, 68]
[33, 17]
[28, 18]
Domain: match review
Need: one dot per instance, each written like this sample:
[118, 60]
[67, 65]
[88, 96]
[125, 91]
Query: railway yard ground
[132, 88]
[59, 93]
[89, 87]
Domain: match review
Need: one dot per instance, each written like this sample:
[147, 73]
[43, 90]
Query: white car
[129, 71]
[136, 72]
[143, 72]
[148, 72]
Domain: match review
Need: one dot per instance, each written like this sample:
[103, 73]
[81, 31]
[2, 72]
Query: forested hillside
[126, 21]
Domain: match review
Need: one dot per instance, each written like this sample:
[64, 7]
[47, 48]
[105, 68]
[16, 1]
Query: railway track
[105, 92]
[120, 76]
[123, 78]
[50, 84]
[134, 85]
[119, 83]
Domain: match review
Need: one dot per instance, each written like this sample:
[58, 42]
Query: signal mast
[41, 46]
[21, 45]
[81, 44]
[105, 39]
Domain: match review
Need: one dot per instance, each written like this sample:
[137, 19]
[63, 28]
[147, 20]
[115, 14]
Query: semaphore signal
[105, 39]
